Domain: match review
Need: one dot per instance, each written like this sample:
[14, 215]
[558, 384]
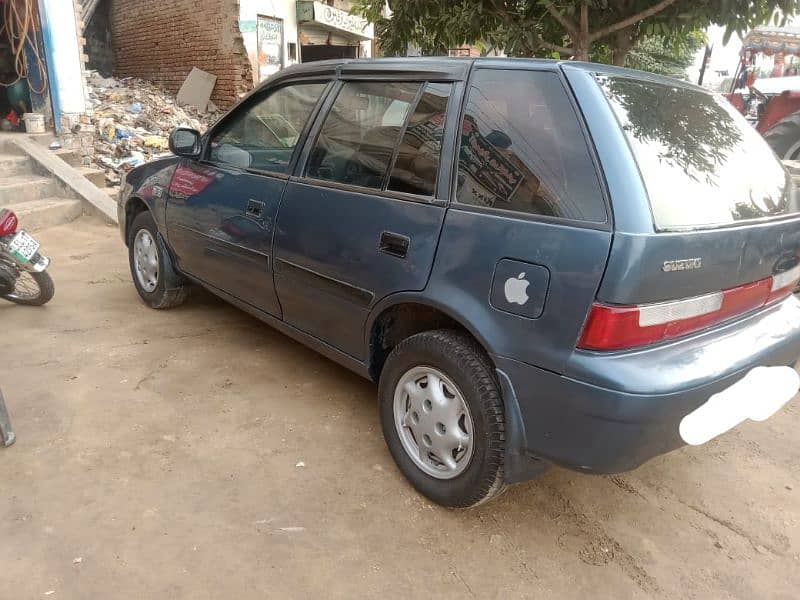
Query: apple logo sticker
[516, 289]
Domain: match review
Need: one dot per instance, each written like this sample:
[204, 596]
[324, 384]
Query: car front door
[221, 211]
[362, 220]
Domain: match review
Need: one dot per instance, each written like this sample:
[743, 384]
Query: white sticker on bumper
[757, 396]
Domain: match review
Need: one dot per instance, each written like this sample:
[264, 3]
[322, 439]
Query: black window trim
[255, 98]
[357, 189]
[299, 175]
[606, 225]
[412, 108]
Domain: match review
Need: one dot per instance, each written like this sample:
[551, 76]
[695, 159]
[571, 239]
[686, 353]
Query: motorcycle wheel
[32, 289]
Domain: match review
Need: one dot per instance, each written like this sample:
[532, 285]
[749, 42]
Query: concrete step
[22, 188]
[8, 141]
[14, 164]
[96, 176]
[70, 157]
[47, 212]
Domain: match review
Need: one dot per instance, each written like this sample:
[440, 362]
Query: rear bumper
[612, 412]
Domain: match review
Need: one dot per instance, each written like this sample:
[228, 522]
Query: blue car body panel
[311, 264]
[329, 271]
[215, 236]
[464, 269]
[147, 184]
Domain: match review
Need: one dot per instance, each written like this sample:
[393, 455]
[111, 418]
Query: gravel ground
[196, 453]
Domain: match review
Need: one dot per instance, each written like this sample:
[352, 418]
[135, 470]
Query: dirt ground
[197, 453]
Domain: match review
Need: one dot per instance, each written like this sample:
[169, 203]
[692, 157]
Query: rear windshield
[702, 163]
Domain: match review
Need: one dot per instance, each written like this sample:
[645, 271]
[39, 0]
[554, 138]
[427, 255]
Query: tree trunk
[623, 42]
[581, 43]
[581, 49]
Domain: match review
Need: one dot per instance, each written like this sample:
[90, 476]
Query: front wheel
[148, 266]
[32, 289]
[442, 418]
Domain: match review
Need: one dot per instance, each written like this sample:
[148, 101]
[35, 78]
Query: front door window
[263, 136]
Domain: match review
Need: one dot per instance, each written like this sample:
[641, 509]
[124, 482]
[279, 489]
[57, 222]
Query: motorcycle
[23, 276]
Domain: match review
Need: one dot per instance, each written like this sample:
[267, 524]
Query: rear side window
[702, 163]
[357, 140]
[522, 148]
[417, 162]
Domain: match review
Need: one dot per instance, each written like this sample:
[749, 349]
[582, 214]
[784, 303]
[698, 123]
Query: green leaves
[537, 27]
[670, 56]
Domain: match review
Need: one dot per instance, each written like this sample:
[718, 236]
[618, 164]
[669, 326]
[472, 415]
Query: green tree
[558, 28]
[666, 56]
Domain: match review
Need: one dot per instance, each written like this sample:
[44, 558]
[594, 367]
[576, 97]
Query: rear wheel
[442, 418]
[32, 289]
[784, 137]
[148, 266]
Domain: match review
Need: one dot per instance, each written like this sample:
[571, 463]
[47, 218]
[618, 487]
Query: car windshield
[702, 163]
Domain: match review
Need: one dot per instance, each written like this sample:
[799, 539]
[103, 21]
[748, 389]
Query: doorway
[315, 52]
[15, 97]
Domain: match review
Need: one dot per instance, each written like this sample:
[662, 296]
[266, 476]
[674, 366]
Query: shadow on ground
[197, 453]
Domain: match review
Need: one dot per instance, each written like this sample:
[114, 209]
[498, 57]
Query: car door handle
[255, 209]
[394, 244]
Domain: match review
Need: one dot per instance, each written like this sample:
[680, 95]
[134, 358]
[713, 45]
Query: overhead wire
[18, 22]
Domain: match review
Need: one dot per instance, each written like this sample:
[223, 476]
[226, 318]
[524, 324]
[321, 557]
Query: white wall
[281, 9]
[248, 15]
[59, 19]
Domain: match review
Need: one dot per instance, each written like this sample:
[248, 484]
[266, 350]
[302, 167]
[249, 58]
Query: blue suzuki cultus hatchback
[538, 262]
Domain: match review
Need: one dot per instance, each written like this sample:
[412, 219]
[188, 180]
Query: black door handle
[394, 244]
[255, 209]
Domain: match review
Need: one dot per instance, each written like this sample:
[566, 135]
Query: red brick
[161, 41]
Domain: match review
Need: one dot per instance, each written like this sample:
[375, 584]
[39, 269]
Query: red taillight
[784, 283]
[613, 327]
[8, 222]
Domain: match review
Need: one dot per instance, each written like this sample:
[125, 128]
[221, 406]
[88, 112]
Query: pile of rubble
[132, 121]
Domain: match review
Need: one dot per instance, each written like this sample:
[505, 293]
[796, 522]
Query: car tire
[784, 137]
[461, 373]
[151, 280]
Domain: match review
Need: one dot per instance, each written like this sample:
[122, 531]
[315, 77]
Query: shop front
[326, 32]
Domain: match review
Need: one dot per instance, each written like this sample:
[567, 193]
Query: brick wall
[162, 40]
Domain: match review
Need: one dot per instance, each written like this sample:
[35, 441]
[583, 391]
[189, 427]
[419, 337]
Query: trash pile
[132, 121]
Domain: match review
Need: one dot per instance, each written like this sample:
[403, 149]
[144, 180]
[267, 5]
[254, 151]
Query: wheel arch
[134, 206]
[402, 315]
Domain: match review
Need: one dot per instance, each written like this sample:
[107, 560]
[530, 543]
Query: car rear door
[363, 217]
[221, 211]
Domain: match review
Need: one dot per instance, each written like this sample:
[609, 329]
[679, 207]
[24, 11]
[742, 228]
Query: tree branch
[565, 22]
[556, 48]
[656, 8]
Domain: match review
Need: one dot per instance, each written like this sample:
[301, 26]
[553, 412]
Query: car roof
[444, 68]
